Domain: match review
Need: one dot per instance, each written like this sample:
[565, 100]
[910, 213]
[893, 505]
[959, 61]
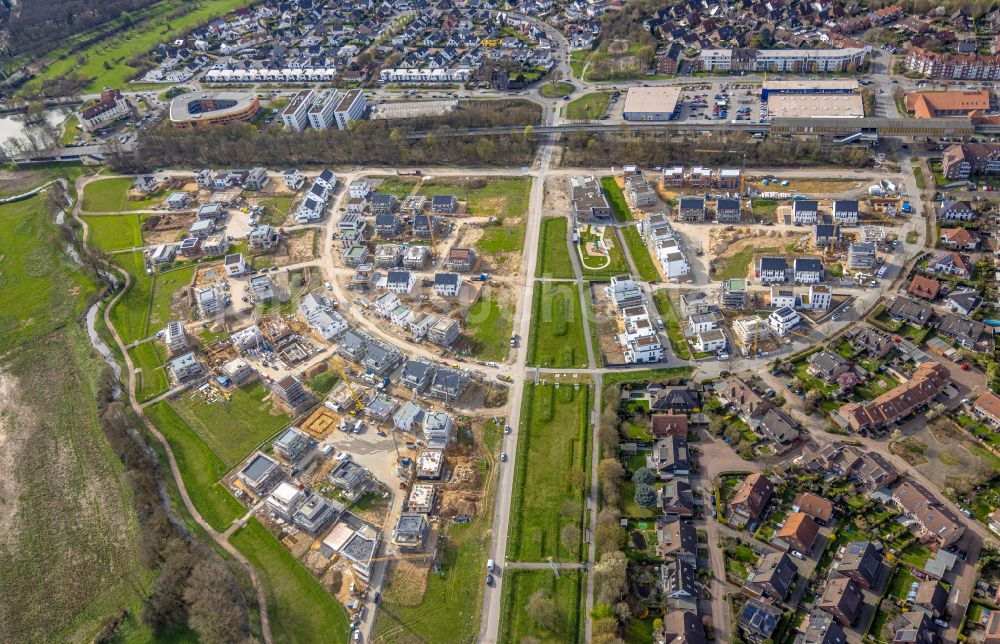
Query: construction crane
[756, 340]
[336, 365]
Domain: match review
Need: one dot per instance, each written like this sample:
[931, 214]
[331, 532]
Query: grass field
[577, 60]
[114, 232]
[200, 467]
[106, 60]
[550, 480]
[299, 608]
[554, 259]
[737, 265]
[234, 428]
[640, 254]
[69, 531]
[918, 177]
[149, 359]
[145, 307]
[616, 198]
[566, 591]
[401, 187]
[505, 199]
[70, 129]
[670, 320]
[39, 288]
[556, 89]
[449, 609]
[15, 182]
[111, 195]
[489, 325]
[557, 338]
[588, 107]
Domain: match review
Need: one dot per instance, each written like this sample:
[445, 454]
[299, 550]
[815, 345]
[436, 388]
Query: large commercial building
[816, 106]
[783, 60]
[966, 159]
[837, 86]
[929, 105]
[111, 107]
[212, 108]
[651, 103]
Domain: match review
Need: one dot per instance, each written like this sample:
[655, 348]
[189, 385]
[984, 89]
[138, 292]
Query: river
[12, 126]
[104, 350]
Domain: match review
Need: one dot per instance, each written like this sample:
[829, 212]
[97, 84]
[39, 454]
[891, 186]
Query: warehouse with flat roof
[838, 86]
[651, 103]
[816, 105]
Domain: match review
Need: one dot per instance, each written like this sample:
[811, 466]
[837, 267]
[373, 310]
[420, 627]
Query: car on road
[489, 580]
[796, 553]
[503, 457]
[506, 429]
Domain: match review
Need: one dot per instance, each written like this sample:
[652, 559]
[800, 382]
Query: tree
[610, 473]
[813, 396]
[611, 577]
[609, 537]
[717, 425]
[165, 607]
[848, 380]
[543, 610]
[570, 537]
[216, 609]
[643, 475]
[645, 495]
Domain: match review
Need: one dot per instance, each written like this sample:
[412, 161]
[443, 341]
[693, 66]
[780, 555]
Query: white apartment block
[783, 321]
[430, 75]
[350, 107]
[321, 111]
[295, 116]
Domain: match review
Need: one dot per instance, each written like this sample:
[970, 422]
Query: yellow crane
[333, 361]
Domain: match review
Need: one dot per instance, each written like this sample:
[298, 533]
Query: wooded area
[364, 143]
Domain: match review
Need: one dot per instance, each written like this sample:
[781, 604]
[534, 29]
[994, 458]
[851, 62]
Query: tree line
[647, 148]
[379, 142]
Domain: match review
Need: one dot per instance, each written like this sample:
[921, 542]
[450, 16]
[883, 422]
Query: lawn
[275, 209]
[148, 359]
[401, 187]
[588, 107]
[449, 609]
[504, 199]
[737, 265]
[765, 209]
[200, 467]
[918, 177]
[235, 427]
[553, 254]
[577, 60]
[71, 555]
[566, 591]
[114, 232]
[899, 585]
[640, 254]
[599, 267]
[107, 59]
[630, 508]
[111, 195]
[644, 377]
[299, 608]
[556, 89]
[673, 324]
[551, 478]
[557, 338]
[616, 199]
[488, 325]
[915, 555]
[70, 130]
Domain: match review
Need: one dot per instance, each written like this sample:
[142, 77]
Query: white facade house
[318, 312]
[235, 265]
[400, 282]
[781, 297]
[428, 75]
[359, 189]
[820, 298]
[808, 271]
[783, 320]
[772, 270]
[845, 212]
[447, 284]
[710, 341]
[805, 212]
[701, 322]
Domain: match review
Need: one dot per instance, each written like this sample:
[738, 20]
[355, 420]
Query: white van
[489, 566]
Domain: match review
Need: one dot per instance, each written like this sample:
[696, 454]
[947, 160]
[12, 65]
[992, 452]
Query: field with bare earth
[67, 529]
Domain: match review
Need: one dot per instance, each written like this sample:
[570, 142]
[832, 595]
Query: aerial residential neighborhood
[521, 321]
